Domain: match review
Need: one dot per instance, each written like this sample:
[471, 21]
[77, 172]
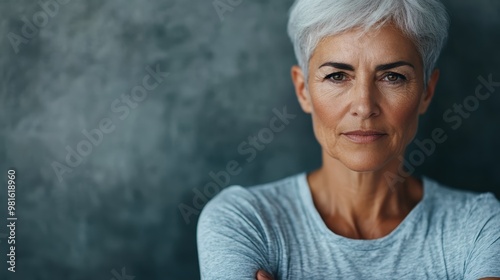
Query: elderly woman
[366, 73]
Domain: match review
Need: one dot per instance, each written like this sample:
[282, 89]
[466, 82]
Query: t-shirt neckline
[401, 231]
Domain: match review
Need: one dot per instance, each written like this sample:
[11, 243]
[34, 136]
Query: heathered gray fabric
[450, 234]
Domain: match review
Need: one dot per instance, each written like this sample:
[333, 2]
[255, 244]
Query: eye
[394, 77]
[336, 77]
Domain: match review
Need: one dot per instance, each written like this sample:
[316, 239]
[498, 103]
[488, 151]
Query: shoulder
[444, 196]
[462, 211]
[470, 224]
[250, 203]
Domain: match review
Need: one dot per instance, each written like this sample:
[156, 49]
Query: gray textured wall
[117, 206]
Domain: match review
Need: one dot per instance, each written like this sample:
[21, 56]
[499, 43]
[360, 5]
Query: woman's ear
[429, 92]
[299, 82]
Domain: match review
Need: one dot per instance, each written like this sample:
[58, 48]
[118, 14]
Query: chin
[363, 161]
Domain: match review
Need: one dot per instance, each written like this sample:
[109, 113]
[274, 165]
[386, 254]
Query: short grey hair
[425, 22]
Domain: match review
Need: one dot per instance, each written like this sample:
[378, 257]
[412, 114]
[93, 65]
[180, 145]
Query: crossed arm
[263, 275]
[233, 243]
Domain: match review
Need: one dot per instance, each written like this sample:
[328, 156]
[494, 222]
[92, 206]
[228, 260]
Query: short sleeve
[483, 227]
[231, 239]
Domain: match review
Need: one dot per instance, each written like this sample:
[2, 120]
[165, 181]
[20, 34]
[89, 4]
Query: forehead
[383, 45]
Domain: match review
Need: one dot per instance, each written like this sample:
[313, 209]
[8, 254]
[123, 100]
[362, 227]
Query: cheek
[327, 113]
[328, 105]
[402, 116]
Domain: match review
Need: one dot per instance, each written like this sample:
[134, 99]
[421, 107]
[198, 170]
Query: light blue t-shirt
[449, 234]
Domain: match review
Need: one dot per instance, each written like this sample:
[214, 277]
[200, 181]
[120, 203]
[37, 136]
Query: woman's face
[367, 82]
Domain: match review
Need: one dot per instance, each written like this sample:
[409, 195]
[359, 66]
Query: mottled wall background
[115, 211]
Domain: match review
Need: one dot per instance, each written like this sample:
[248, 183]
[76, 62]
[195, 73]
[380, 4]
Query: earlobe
[429, 91]
[299, 83]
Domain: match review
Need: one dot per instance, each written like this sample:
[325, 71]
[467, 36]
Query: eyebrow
[381, 67]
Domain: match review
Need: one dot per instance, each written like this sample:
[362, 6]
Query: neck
[362, 198]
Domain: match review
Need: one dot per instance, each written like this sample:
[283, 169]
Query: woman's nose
[364, 102]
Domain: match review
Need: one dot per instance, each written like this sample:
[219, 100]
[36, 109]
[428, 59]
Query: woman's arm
[483, 228]
[232, 240]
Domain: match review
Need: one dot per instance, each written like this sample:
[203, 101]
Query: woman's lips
[363, 137]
